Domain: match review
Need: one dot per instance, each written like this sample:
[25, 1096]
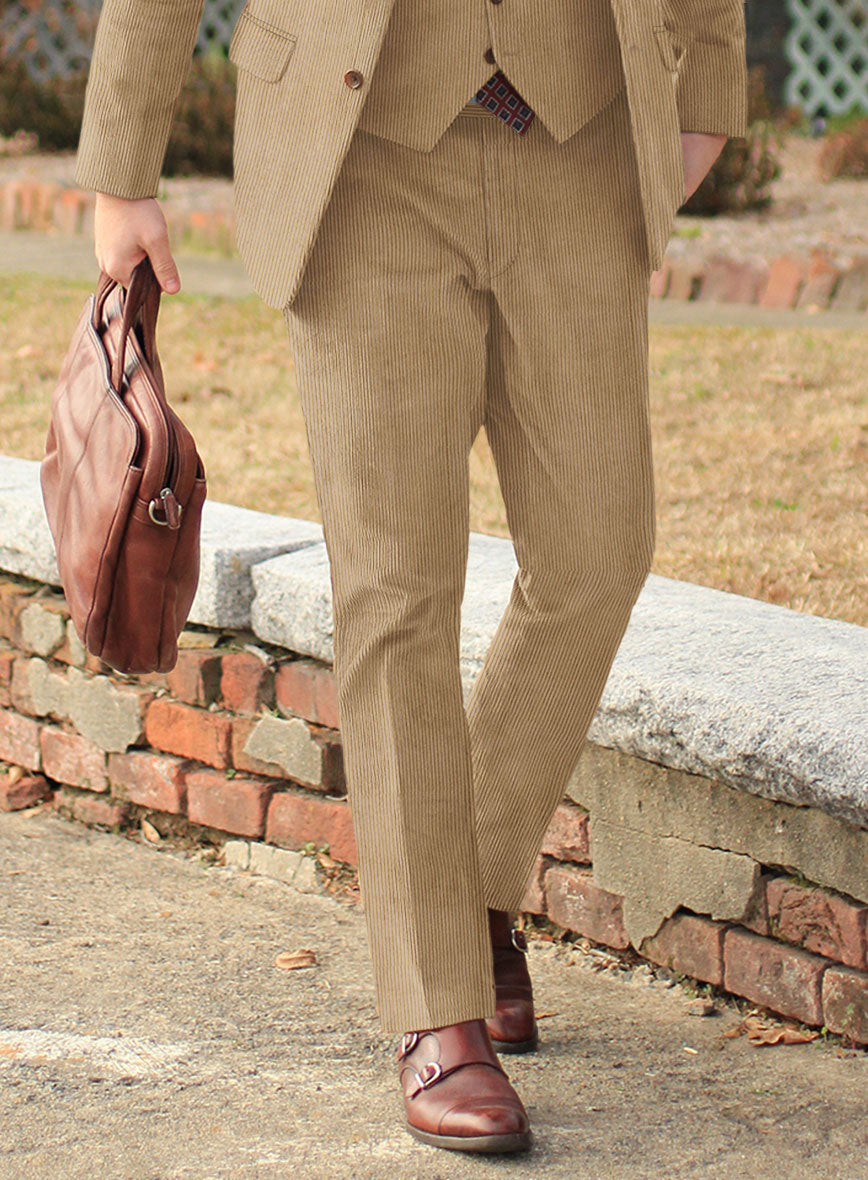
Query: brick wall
[241, 743]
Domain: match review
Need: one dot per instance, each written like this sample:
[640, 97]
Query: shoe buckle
[428, 1080]
[409, 1041]
[518, 940]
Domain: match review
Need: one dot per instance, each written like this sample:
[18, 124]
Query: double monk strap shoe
[457, 1094]
[513, 1028]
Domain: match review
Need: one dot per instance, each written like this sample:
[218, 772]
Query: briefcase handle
[141, 303]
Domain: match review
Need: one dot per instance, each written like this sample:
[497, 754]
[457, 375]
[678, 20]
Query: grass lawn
[760, 436]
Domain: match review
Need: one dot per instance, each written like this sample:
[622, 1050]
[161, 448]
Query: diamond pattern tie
[499, 96]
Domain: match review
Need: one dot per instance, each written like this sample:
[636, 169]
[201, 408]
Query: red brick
[783, 978]
[150, 780]
[7, 660]
[96, 810]
[307, 688]
[845, 1003]
[575, 902]
[47, 193]
[533, 901]
[851, 294]
[71, 211]
[332, 780]
[567, 835]
[74, 760]
[191, 733]
[236, 805]
[7, 207]
[246, 683]
[822, 279]
[728, 281]
[195, 679]
[19, 740]
[25, 201]
[685, 280]
[241, 730]
[689, 944]
[660, 280]
[24, 793]
[154, 679]
[786, 277]
[295, 818]
[817, 920]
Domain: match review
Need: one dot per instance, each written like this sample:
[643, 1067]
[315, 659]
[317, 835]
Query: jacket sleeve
[141, 57]
[711, 86]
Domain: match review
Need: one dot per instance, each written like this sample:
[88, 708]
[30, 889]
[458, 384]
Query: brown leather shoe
[513, 1028]
[456, 1092]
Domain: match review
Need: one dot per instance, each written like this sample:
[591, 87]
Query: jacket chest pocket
[261, 49]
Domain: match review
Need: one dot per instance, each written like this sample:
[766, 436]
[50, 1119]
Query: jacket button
[489, 56]
[495, 1]
[353, 79]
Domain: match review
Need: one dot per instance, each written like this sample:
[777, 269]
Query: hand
[125, 230]
[700, 149]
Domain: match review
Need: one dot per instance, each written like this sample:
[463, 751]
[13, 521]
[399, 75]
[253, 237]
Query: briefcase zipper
[167, 498]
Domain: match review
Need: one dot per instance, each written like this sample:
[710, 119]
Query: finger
[164, 264]
[120, 267]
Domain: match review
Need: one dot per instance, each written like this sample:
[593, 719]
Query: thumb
[164, 265]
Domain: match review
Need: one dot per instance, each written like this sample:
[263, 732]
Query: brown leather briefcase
[123, 484]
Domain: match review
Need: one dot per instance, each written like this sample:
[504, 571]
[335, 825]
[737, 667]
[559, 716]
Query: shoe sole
[515, 1141]
[528, 1046]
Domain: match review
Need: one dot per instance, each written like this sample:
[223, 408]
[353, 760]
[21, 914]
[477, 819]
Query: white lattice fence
[55, 38]
[827, 48]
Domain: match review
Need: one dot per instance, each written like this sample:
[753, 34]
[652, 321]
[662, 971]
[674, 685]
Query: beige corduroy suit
[439, 272]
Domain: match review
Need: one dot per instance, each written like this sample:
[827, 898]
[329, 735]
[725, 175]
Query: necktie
[499, 96]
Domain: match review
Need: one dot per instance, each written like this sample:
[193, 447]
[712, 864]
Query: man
[458, 206]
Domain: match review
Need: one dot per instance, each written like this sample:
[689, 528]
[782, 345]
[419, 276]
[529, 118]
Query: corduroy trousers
[501, 281]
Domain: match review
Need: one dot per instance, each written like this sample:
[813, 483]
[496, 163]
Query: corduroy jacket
[305, 68]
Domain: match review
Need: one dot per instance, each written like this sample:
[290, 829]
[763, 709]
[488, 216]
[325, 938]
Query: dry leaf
[767, 1032]
[326, 861]
[546, 1015]
[292, 960]
[781, 1035]
[14, 775]
[150, 832]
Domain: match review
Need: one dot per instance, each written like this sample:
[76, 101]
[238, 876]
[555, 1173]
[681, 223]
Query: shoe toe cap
[484, 1117]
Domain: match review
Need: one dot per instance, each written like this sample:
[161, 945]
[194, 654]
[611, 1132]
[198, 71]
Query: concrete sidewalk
[147, 1035]
[32, 252]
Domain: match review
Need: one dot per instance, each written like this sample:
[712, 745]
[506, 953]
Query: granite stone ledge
[233, 541]
[292, 603]
[26, 544]
[292, 606]
[759, 697]
[491, 568]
